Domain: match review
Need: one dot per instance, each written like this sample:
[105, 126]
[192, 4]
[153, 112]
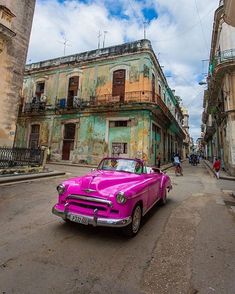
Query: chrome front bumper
[94, 220]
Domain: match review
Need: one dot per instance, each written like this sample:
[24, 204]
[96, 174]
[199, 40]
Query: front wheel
[164, 197]
[133, 228]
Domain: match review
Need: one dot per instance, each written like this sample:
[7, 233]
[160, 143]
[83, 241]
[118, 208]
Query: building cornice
[6, 33]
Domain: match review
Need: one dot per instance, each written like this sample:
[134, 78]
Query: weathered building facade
[15, 27]
[110, 101]
[186, 142]
[219, 99]
[229, 12]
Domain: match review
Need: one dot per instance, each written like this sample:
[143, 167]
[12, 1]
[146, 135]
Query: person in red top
[217, 166]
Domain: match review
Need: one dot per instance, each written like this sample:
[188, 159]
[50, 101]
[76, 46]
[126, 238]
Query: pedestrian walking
[217, 166]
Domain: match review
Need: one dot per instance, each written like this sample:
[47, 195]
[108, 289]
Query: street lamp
[202, 83]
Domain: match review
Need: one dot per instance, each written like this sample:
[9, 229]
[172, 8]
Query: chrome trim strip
[96, 221]
[58, 212]
[91, 199]
[151, 206]
[89, 190]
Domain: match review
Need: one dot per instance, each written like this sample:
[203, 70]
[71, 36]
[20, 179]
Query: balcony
[38, 107]
[210, 130]
[225, 56]
[222, 61]
[204, 117]
[77, 104]
[101, 101]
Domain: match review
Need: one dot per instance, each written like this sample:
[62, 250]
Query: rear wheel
[133, 228]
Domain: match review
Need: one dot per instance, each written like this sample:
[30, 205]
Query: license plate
[78, 219]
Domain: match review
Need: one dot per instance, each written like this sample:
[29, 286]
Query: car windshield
[122, 165]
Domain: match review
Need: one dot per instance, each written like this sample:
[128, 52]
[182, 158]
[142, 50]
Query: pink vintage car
[117, 194]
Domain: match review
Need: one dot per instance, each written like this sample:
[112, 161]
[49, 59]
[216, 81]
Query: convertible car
[116, 194]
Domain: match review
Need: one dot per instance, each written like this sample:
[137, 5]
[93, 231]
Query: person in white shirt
[177, 164]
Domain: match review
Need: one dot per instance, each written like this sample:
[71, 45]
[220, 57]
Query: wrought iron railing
[35, 107]
[107, 99]
[221, 57]
[15, 157]
[225, 56]
[99, 101]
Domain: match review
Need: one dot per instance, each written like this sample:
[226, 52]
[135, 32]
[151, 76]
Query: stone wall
[12, 63]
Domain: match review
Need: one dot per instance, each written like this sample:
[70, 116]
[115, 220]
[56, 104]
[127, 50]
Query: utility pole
[145, 23]
[105, 32]
[65, 42]
[65, 45]
[99, 35]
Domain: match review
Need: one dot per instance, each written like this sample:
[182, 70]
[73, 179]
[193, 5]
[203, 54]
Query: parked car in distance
[116, 194]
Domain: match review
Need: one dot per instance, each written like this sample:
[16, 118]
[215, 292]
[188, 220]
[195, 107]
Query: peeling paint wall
[96, 133]
[95, 79]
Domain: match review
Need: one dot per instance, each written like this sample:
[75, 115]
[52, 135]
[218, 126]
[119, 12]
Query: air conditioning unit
[62, 103]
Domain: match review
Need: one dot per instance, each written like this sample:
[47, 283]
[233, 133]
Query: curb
[21, 178]
[72, 164]
[229, 178]
[28, 177]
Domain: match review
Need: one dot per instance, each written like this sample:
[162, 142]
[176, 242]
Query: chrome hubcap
[136, 219]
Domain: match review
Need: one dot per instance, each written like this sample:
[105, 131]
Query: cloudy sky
[180, 32]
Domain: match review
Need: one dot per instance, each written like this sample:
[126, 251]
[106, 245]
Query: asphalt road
[186, 246]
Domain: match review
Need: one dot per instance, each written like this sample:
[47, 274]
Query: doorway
[34, 137]
[68, 141]
[72, 91]
[119, 78]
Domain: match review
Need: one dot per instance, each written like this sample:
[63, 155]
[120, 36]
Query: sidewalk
[5, 179]
[223, 174]
[27, 177]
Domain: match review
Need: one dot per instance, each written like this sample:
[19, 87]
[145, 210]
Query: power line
[143, 21]
[207, 47]
[183, 33]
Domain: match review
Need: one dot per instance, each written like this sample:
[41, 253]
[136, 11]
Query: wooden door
[66, 150]
[72, 90]
[119, 78]
[68, 142]
[34, 137]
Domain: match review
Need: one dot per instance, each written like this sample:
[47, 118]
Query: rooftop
[126, 48]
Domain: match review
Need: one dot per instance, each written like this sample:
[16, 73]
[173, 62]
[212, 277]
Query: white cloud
[181, 34]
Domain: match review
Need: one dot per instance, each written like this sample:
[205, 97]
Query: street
[186, 246]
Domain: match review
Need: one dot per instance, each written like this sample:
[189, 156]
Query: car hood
[105, 183]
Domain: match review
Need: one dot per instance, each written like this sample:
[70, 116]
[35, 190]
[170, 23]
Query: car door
[153, 188]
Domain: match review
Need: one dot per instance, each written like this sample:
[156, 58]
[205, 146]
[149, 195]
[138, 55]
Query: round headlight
[60, 189]
[121, 198]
